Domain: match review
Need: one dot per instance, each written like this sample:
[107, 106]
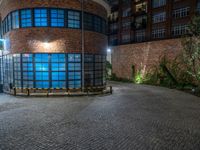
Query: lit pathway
[134, 117]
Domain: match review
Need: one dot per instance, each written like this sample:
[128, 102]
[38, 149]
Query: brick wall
[31, 40]
[144, 56]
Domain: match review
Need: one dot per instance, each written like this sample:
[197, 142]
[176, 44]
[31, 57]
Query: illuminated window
[26, 18]
[9, 22]
[15, 19]
[179, 29]
[73, 19]
[40, 17]
[74, 70]
[182, 12]
[142, 7]
[17, 70]
[57, 18]
[42, 71]
[58, 68]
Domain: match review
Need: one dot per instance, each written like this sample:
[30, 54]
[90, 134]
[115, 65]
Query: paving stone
[137, 117]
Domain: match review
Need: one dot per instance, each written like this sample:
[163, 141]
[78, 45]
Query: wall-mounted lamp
[109, 50]
[46, 44]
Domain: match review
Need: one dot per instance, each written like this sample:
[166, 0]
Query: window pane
[57, 18]
[26, 18]
[40, 16]
[41, 57]
[73, 19]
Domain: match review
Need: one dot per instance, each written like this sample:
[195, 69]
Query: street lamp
[82, 43]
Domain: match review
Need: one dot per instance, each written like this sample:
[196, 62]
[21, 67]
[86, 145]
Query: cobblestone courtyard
[134, 117]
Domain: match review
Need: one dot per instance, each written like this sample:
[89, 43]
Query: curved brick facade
[29, 40]
[43, 44]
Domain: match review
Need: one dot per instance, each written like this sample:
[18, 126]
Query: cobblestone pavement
[135, 117]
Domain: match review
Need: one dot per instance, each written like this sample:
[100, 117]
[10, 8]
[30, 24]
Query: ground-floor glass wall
[52, 70]
[1, 77]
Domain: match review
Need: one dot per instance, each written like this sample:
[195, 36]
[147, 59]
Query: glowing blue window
[27, 67]
[42, 84]
[58, 76]
[42, 76]
[27, 58]
[58, 66]
[74, 66]
[73, 19]
[40, 17]
[41, 66]
[74, 75]
[9, 22]
[26, 20]
[58, 84]
[57, 18]
[41, 57]
[58, 57]
[27, 75]
[75, 84]
[74, 57]
[15, 19]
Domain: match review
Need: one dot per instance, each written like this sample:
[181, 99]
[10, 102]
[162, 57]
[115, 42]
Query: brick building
[142, 31]
[53, 44]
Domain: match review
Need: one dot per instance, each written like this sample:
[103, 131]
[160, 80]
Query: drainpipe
[82, 44]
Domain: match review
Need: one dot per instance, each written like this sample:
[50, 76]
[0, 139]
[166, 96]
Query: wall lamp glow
[46, 44]
[108, 50]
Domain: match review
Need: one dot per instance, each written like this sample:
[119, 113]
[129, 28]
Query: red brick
[144, 56]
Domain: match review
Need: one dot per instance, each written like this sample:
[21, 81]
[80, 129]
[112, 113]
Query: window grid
[40, 17]
[15, 19]
[158, 3]
[26, 18]
[57, 18]
[39, 71]
[179, 30]
[74, 19]
[158, 33]
[140, 36]
[58, 70]
[159, 17]
[182, 12]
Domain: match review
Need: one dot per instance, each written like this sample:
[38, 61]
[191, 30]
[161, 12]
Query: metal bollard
[28, 92]
[111, 90]
[15, 92]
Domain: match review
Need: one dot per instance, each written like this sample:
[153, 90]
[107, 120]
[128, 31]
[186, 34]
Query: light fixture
[108, 50]
[46, 44]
